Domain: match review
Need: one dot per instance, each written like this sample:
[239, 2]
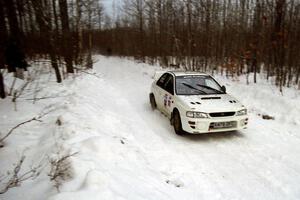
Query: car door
[168, 95]
[160, 91]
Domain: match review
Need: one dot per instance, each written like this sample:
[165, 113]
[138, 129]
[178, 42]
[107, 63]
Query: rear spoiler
[158, 74]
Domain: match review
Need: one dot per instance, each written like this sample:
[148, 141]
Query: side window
[162, 80]
[169, 86]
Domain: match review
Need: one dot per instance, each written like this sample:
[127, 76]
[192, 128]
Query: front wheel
[152, 101]
[177, 123]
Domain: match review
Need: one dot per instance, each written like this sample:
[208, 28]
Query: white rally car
[196, 103]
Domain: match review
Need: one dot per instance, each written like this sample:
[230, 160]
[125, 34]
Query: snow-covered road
[128, 151]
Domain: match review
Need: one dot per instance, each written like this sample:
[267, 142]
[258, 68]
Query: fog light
[244, 122]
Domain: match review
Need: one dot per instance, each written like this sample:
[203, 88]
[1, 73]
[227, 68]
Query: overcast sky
[108, 5]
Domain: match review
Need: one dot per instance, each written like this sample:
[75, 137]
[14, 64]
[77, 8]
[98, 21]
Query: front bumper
[206, 125]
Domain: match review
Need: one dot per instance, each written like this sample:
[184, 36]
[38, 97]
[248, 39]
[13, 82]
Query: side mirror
[223, 88]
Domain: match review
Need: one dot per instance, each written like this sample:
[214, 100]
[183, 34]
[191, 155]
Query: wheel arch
[175, 109]
[152, 96]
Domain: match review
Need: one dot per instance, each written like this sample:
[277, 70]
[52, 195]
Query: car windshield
[197, 85]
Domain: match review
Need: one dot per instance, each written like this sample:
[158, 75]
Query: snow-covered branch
[16, 178]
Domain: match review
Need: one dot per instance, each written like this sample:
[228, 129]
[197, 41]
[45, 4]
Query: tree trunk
[2, 42]
[67, 45]
[78, 32]
[55, 67]
[15, 57]
[12, 19]
[46, 34]
[278, 42]
[2, 88]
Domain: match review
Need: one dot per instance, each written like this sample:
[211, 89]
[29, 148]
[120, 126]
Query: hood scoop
[208, 98]
[194, 103]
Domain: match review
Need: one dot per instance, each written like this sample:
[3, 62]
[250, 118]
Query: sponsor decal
[167, 100]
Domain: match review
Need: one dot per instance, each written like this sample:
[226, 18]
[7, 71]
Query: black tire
[177, 123]
[152, 101]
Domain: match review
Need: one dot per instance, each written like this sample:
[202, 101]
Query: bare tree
[66, 35]
[46, 35]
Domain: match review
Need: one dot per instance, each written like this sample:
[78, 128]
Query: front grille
[222, 114]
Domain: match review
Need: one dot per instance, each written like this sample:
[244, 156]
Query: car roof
[186, 73]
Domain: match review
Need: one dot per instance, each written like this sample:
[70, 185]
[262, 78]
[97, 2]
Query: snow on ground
[127, 151]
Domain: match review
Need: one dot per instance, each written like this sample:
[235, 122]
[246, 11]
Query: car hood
[211, 103]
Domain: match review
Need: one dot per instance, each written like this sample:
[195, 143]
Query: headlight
[241, 112]
[196, 114]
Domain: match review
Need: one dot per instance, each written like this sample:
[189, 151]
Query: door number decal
[167, 100]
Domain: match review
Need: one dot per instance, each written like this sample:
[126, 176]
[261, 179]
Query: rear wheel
[177, 123]
[152, 102]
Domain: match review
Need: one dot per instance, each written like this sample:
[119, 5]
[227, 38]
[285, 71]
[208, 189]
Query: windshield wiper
[189, 86]
[210, 88]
